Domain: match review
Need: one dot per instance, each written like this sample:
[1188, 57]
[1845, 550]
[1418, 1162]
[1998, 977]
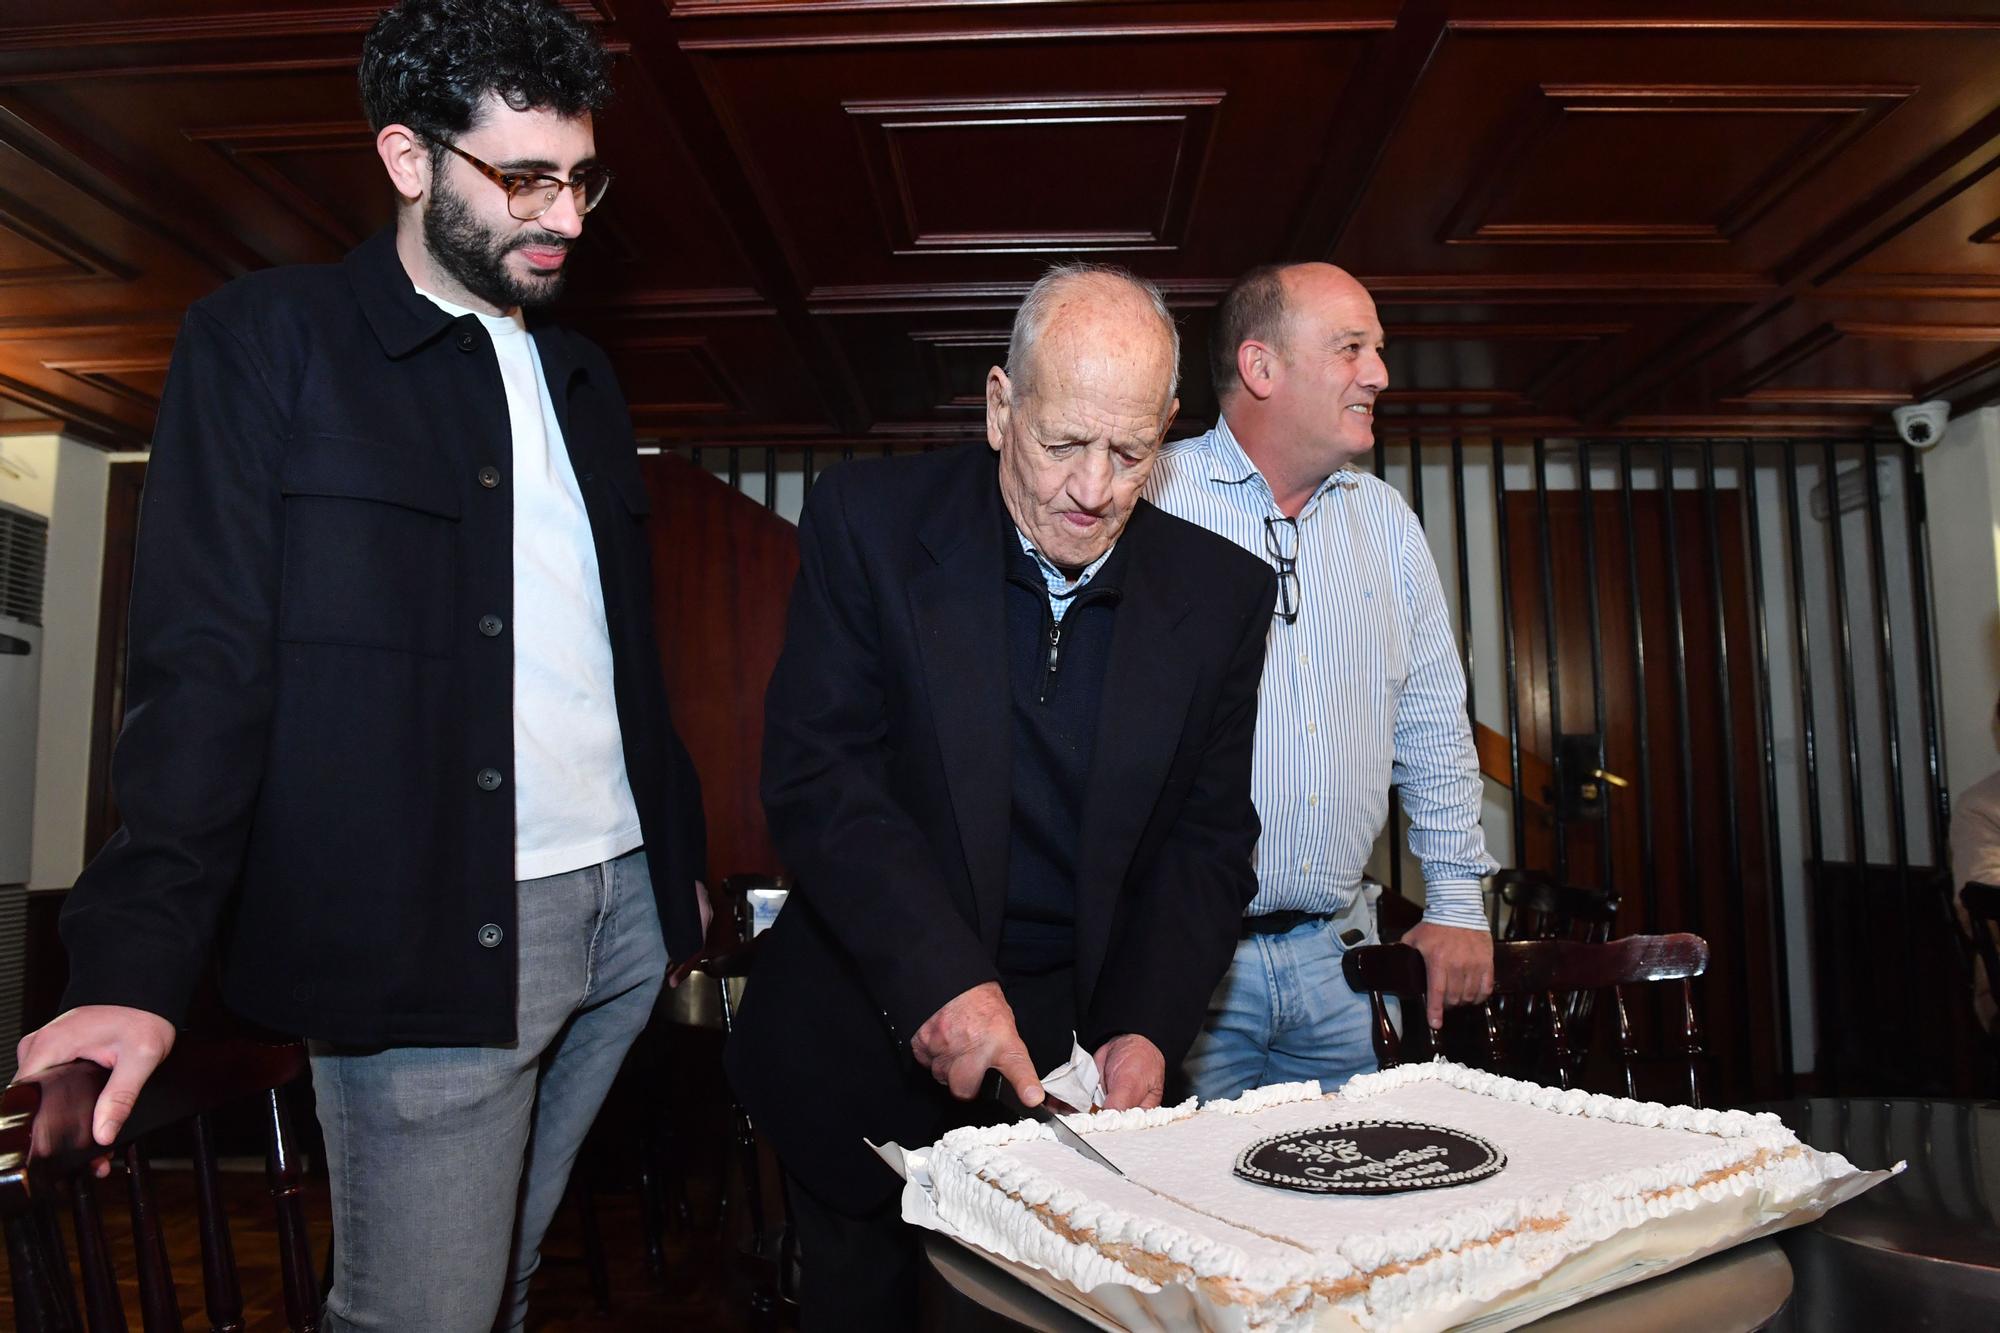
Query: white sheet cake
[1596, 1192]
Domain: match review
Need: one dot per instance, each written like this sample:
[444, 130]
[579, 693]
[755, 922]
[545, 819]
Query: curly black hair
[428, 64]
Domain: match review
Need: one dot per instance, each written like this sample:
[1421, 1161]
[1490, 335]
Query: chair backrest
[46, 1151]
[1550, 972]
[1542, 908]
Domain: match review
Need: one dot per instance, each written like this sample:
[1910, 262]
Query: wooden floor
[704, 1287]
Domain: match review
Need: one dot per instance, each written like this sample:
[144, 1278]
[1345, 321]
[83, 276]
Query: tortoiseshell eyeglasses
[531, 194]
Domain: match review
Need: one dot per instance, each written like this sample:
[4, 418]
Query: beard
[476, 256]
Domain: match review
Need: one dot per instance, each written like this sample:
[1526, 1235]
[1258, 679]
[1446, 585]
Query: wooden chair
[1542, 908]
[46, 1153]
[1553, 970]
[726, 958]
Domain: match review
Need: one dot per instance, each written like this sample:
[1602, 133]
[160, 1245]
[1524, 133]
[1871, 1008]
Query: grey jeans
[447, 1162]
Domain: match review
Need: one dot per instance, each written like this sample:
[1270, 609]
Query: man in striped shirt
[1362, 687]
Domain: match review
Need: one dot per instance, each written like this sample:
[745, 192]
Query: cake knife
[1069, 1138]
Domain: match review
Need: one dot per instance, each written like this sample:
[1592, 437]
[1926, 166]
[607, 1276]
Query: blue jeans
[447, 1162]
[1284, 1013]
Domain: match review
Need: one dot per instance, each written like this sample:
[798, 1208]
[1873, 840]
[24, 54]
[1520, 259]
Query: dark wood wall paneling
[1727, 217]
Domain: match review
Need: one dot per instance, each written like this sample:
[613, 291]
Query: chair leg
[220, 1289]
[103, 1308]
[46, 1215]
[159, 1305]
[37, 1277]
[763, 1299]
[282, 1177]
[652, 1209]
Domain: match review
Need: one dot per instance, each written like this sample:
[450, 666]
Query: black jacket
[886, 782]
[311, 701]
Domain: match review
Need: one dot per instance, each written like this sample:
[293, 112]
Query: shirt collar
[1060, 584]
[500, 326]
[1228, 464]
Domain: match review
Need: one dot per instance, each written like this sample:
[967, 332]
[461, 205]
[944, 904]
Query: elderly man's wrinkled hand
[1458, 966]
[1134, 1072]
[972, 1033]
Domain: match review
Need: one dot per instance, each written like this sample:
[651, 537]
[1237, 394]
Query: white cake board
[1631, 1256]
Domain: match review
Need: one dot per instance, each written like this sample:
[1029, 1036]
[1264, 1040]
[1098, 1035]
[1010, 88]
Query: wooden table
[1733, 1292]
[1921, 1251]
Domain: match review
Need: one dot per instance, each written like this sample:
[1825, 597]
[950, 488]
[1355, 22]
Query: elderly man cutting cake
[1007, 761]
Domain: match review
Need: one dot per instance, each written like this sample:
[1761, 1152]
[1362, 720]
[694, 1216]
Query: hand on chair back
[128, 1042]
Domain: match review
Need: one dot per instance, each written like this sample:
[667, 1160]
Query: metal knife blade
[1070, 1139]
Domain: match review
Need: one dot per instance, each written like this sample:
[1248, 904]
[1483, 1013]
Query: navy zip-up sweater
[1056, 676]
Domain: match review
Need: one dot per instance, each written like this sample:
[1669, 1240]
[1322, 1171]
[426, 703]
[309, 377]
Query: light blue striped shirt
[1062, 589]
[1362, 692]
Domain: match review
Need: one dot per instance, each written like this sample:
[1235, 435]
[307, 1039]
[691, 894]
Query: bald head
[1076, 314]
[1078, 413]
[1258, 307]
[1297, 360]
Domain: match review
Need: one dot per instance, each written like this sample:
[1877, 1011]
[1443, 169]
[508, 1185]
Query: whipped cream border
[1471, 1253]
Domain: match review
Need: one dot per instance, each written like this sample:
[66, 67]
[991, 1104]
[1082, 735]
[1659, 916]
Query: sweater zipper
[1055, 658]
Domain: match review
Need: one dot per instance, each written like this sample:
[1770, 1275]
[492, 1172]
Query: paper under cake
[1447, 1195]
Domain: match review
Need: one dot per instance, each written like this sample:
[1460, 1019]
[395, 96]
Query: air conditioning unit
[24, 558]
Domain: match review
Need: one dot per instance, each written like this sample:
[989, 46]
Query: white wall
[1962, 486]
[69, 487]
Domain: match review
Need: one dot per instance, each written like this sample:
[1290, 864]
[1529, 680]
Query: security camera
[1922, 424]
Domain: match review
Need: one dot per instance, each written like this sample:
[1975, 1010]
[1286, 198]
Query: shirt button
[488, 779]
[1304, 660]
[466, 342]
[1305, 867]
[1313, 799]
[489, 476]
[1312, 728]
[490, 625]
[490, 936]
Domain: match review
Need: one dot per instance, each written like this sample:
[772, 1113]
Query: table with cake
[1424, 1197]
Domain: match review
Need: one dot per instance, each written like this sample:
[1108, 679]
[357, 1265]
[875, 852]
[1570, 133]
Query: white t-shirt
[572, 801]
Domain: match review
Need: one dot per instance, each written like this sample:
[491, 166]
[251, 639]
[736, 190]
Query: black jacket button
[490, 936]
[489, 476]
[490, 625]
[466, 342]
[489, 779]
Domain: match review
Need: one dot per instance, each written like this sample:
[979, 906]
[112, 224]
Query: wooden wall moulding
[137, 380]
[770, 25]
[679, 374]
[325, 173]
[1718, 158]
[956, 362]
[1112, 173]
[38, 249]
[1866, 362]
[966, 164]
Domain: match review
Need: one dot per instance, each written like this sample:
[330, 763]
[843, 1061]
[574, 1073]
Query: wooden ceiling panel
[933, 165]
[1572, 213]
[728, 375]
[1724, 150]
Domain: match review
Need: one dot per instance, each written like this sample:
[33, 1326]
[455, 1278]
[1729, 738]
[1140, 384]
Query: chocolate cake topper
[1369, 1157]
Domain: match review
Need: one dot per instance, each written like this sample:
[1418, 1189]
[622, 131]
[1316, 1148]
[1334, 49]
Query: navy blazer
[887, 786]
[315, 774]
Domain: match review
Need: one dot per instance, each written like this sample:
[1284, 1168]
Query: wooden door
[1684, 842]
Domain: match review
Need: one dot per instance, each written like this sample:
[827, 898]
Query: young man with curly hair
[397, 754]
